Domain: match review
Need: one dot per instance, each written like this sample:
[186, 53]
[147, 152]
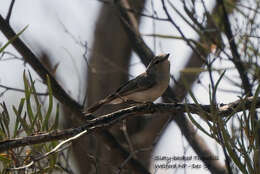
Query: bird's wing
[141, 82]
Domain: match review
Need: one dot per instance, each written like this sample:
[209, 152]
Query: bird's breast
[162, 78]
[151, 94]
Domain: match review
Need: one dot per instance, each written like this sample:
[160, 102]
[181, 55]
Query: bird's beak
[166, 56]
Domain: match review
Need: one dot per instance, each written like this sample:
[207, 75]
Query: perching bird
[146, 87]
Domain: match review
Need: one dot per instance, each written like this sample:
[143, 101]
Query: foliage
[228, 33]
[30, 119]
[12, 39]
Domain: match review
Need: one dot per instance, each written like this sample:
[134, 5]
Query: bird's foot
[123, 99]
[137, 102]
[148, 103]
[89, 116]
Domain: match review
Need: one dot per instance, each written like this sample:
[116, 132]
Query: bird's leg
[140, 103]
[149, 103]
[89, 116]
[123, 100]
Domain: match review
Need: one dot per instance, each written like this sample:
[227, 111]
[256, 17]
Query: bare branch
[148, 108]
[10, 11]
[236, 57]
[57, 148]
[179, 30]
[33, 60]
[138, 44]
[18, 90]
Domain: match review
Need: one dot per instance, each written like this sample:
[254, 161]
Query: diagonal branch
[8, 16]
[129, 23]
[62, 96]
[236, 57]
[32, 59]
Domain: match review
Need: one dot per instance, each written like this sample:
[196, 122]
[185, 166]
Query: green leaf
[48, 114]
[36, 117]
[216, 86]
[34, 90]
[53, 159]
[4, 159]
[231, 152]
[2, 135]
[27, 92]
[23, 121]
[20, 109]
[213, 98]
[203, 114]
[13, 38]
[198, 125]
[5, 119]
[56, 122]
[252, 113]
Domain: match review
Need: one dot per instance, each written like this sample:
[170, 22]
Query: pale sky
[44, 18]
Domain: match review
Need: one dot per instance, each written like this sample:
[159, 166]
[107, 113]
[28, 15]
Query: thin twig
[19, 90]
[127, 137]
[57, 149]
[179, 30]
[8, 16]
[236, 57]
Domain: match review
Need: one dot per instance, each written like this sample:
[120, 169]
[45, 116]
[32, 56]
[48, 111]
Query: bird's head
[158, 62]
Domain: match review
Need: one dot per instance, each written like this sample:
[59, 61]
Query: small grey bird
[146, 87]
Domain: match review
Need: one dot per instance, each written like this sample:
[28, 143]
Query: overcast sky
[46, 20]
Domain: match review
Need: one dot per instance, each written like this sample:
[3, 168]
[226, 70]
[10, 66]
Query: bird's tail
[96, 106]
